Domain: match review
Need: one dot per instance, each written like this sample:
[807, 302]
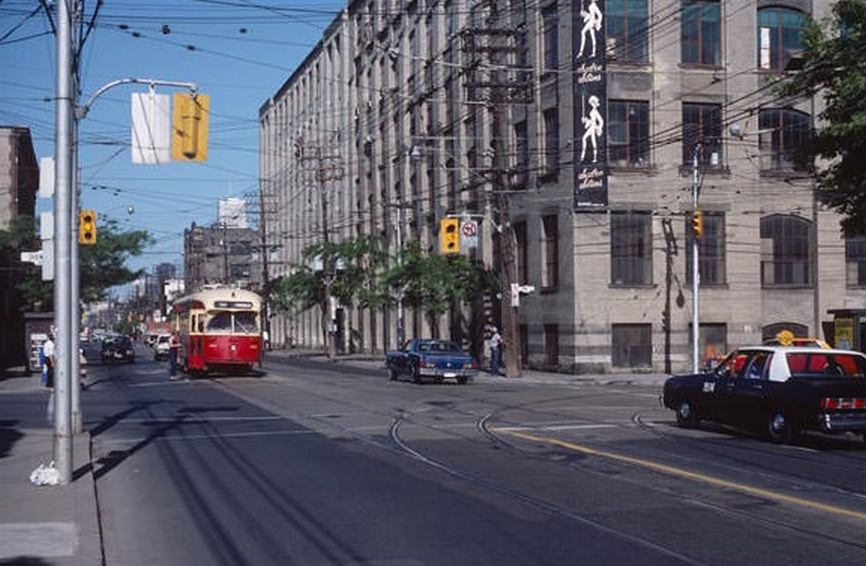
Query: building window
[550, 244]
[785, 251]
[631, 345]
[855, 262]
[631, 248]
[550, 23]
[521, 150]
[551, 345]
[711, 249]
[628, 133]
[789, 129]
[627, 30]
[551, 141]
[701, 32]
[702, 127]
[780, 35]
[521, 251]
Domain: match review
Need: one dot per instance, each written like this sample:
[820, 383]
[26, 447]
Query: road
[315, 464]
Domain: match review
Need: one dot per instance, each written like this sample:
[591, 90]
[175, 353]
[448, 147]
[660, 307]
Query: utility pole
[225, 251]
[75, 271]
[266, 282]
[64, 116]
[696, 273]
[401, 322]
[494, 40]
[323, 174]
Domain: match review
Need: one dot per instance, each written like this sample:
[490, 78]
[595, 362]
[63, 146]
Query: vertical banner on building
[590, 105]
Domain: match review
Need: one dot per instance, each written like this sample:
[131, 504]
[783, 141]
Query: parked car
[784, 390]
[439, 359]
[160, 347]
[117, 348]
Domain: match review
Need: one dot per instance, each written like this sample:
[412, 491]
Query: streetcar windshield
[246, 322]
[243, 322]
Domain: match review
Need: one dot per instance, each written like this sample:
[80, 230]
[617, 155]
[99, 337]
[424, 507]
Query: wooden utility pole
[496, 41]
[328, 167]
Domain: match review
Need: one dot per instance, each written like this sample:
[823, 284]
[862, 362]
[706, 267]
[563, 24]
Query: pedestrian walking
[495, 344]
[173, 353]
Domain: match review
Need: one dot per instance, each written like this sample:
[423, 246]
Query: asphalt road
[325, 465]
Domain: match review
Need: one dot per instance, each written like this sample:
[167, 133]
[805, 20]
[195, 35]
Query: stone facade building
[590, 115]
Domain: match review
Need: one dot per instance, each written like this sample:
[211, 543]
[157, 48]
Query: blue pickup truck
[438, 359]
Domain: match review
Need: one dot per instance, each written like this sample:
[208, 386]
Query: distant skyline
[239, 53]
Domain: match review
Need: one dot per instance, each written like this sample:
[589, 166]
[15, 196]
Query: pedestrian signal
[698, 223]
[449, 235]
[87, 227]
[189, 127]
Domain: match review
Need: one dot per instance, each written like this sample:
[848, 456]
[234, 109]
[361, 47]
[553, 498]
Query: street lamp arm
[81, 111]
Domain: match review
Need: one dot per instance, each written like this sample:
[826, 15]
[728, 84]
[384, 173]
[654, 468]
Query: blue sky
[243, 52]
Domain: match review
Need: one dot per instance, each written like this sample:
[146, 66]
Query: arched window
[780, 33]
[787, 130]
[785, 251]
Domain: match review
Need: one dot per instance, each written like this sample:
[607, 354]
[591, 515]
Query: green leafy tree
[434, 282]
[833, 66]
[348, 268]
[103, 265]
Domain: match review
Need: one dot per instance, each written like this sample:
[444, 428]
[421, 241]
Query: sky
[239, 52]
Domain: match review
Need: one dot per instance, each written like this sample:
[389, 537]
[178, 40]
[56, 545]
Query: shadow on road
[8, 436]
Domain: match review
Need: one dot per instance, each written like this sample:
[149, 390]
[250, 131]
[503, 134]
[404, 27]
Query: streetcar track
[530, 499]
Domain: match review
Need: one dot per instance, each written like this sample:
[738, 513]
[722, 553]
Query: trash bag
[45, 475]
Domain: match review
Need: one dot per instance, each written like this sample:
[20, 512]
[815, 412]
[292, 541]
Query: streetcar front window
[220, 322]
[246, 322]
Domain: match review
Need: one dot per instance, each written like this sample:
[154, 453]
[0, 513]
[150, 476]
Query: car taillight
[843, 403]
[469, 365]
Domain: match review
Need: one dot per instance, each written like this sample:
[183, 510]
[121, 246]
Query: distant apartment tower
[599, 122]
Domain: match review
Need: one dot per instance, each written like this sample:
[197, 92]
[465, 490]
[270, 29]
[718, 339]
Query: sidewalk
[528, 376]
[55, 525]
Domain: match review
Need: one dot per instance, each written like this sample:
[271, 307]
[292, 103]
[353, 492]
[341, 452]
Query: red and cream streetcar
[219, 330]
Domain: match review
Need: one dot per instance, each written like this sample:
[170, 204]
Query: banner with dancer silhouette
[590, 103]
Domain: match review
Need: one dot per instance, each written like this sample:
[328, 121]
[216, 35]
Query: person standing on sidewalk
[173, 353]
[495, 343]
[48, 360]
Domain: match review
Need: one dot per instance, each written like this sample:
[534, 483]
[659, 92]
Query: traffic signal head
[189, 127]
[449, 235]
[87, 227]
[698, 223]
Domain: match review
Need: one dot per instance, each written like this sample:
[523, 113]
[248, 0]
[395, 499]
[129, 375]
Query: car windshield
[246, 322]
[822, 364]
[220, 322]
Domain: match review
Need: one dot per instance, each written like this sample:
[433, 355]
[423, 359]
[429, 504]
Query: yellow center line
[695, 476]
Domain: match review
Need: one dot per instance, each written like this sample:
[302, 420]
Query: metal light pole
[696, 275]
[64, 109]
[401, 323]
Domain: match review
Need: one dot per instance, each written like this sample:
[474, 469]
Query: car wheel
[686, 416]
[462, 380]
[780, 429]
[392, 374]
[416, 375]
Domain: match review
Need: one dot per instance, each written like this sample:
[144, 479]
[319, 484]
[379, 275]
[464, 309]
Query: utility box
[849, 329]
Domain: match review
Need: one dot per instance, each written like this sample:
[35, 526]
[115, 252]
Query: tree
[103, 265]
[833, 66]
[435, 282]
[352, 268]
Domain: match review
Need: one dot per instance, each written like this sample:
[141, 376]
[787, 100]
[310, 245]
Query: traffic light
[698, 223]
[87, 227]
[189, 127]
[449, 235]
